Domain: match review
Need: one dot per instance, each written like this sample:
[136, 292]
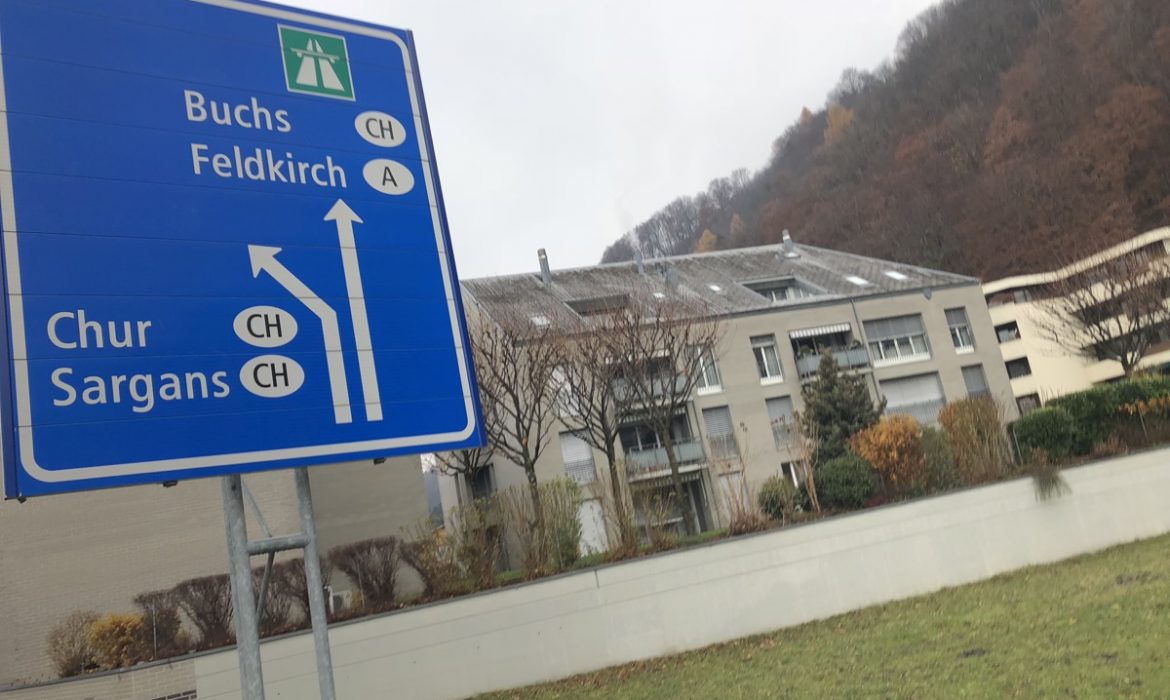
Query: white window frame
[760, 344]
[961, 336]
[707, 362]
[900, 349]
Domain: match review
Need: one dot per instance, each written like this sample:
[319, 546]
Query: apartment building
[919, 337]
[96, 550]
[1039, 367]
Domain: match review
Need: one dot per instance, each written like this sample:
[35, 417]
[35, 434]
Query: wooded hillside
[1001, 134]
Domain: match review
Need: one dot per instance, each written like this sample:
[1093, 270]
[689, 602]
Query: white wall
[688, 599]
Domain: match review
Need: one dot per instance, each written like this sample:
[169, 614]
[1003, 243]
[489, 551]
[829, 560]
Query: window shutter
[578, 458]
[975, 379]
[718, 421]
[780, 410]
[898, 327]
[912, 390]
[956, 317]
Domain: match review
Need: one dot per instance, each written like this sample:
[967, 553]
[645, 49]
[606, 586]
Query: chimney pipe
[545, 272]
[639, 261]
[789, 246]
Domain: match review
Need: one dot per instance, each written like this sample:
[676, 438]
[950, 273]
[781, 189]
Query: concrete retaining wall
[683, 600]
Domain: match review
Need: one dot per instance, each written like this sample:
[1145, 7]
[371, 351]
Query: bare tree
[1109, 309]
[659, 351]
[590, 371]
[516, 360]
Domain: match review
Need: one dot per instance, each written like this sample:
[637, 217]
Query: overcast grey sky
[563, 124]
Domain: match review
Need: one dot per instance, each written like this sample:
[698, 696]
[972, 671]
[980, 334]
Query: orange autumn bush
[894, 447]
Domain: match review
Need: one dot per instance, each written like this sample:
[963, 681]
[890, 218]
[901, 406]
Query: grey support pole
[316, 587]
[247, 632]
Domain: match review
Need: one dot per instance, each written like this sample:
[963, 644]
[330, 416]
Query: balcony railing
[624, 391]
[723, 446]
[784, 434]
[925, 412]
[848, 358]
[643, 462]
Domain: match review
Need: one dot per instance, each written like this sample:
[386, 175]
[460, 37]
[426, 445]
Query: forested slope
[1002, 133]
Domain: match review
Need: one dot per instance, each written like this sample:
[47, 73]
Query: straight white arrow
[345, 217]
[264, 260]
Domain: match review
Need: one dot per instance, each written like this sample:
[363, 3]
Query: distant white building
[1040, 368]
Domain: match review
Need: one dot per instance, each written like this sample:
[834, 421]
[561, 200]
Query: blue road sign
[224, 245]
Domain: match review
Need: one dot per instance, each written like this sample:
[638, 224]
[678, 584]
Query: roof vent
[671, 276]
[545, 272]
[789, 246]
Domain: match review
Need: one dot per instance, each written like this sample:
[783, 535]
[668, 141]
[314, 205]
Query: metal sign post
[243, 605]
[248, 611]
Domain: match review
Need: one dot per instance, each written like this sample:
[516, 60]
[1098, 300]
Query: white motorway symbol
[264, 260]
[345, 217]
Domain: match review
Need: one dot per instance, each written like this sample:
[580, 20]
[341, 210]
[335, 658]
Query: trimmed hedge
[1051, 429]
[846, 482]
[1095, 411]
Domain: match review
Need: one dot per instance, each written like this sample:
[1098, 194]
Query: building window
[976, 380]
[578, 458]
[481, 483]
[961, 336]
[767, 361]
[1028, 403]
[1007, 332]
[782, 290]
[564, 401]
[783, 421]
[709, 381]
[791, 471]
[1019, 367]
[720, 434]
[921, 397]
[896, 340]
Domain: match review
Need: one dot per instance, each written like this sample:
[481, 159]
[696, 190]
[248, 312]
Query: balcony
[624, 391]
[644, 463]
[848, 358]
[925, 412]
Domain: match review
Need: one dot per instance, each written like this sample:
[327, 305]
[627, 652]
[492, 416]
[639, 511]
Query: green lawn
[1093, 627]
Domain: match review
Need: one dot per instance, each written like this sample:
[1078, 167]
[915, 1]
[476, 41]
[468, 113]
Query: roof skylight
[895, 275]
[859, 281]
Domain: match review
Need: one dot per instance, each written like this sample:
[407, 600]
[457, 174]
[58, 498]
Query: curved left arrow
[264, 260]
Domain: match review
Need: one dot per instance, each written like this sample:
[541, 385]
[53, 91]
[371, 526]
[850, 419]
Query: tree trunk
[680, 495]
[621, 515]
[534, 494]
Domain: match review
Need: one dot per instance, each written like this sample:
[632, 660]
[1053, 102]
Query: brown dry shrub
[975, 428]
[207, 603]
[162, 628]
[372, 566]
[69, 646]
[117, 640]
[431, 553]
[894, 448]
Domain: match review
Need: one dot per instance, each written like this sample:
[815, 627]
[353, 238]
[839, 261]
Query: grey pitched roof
[715, 280]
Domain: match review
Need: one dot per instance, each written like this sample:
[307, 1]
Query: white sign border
[27, 460]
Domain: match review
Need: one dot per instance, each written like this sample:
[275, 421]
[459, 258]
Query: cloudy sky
[563, 124]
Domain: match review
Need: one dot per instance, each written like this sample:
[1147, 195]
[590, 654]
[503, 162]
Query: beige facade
[722, 466]
[1044, 368]
[97, 550]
